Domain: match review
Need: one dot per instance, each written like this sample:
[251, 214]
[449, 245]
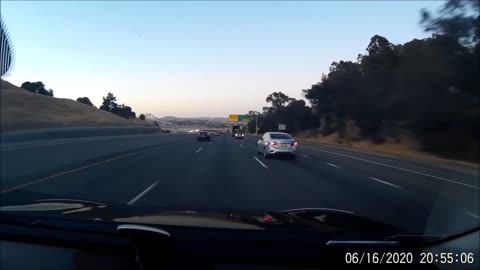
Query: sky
[191, 59]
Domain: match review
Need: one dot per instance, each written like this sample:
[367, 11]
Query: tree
[37, 88]
[459, 19]
[277, 99]
[85, 100]
[109, 103]
[124, 111]
[298, 116]
[378, 45]
[251, 123]
[283, 110]
[142, 116]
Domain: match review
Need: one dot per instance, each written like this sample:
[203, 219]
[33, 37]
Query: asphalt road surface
[176, 171]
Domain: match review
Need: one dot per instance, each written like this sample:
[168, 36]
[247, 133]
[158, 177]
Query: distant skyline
[195, 59]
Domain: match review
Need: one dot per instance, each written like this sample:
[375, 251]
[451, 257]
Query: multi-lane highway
[176, 171]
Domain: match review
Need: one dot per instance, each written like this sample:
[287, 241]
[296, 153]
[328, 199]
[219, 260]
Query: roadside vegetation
[86, 101]
[427, 90]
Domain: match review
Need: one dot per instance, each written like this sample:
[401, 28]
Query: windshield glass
[280, 136]
[127, 111]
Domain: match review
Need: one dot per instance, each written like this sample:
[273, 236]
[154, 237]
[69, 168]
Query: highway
[176, 171]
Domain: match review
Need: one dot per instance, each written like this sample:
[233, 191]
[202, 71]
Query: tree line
[429, 87]
[37, 88]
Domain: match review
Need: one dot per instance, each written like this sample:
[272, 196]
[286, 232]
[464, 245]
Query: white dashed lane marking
[472, 214]
[132, 201]
[386, 183]
[261, 163]
[395, 167]
[199, 149]
[333, 165]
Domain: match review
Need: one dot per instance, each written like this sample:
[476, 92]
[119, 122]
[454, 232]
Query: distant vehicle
[203, 136]
[216, 133]
[277, 143]
[238, 131]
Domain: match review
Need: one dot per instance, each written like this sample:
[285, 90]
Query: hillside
[193, 119]
[196, 122]
[21, 109]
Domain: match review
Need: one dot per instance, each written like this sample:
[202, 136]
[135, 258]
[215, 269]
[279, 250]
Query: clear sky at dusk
[195, 58]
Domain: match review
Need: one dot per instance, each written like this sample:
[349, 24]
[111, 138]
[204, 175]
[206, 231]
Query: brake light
[268, 218]
[295, 144]
[273, 143]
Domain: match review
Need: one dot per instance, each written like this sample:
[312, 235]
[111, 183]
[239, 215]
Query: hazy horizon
[195, 59]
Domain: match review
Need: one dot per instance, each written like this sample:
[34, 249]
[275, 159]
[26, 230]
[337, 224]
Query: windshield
[109, 107]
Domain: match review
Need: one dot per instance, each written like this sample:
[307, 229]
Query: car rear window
[280, 136]
[203, 133]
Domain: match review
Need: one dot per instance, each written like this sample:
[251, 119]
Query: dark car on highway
[203, 136]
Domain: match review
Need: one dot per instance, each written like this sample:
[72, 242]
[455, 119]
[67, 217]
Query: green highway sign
[244, 118]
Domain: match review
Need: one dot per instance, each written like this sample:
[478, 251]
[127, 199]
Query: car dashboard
[50, 245]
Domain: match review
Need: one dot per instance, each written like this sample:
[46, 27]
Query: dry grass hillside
[21, 109]
[404, 145]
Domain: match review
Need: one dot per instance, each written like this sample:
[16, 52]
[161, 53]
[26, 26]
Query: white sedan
[277, 143]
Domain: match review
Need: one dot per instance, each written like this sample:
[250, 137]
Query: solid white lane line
[261, 163]
[199, 149]
[81, 168]
[333, 165]
[132, 201]
[472, 214]
[305, 156]
[241, 145]
[395, 167]
[75, 140]
[48, 144]
[386, 183]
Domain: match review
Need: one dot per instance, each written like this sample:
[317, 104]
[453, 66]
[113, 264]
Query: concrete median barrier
[77, 132]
